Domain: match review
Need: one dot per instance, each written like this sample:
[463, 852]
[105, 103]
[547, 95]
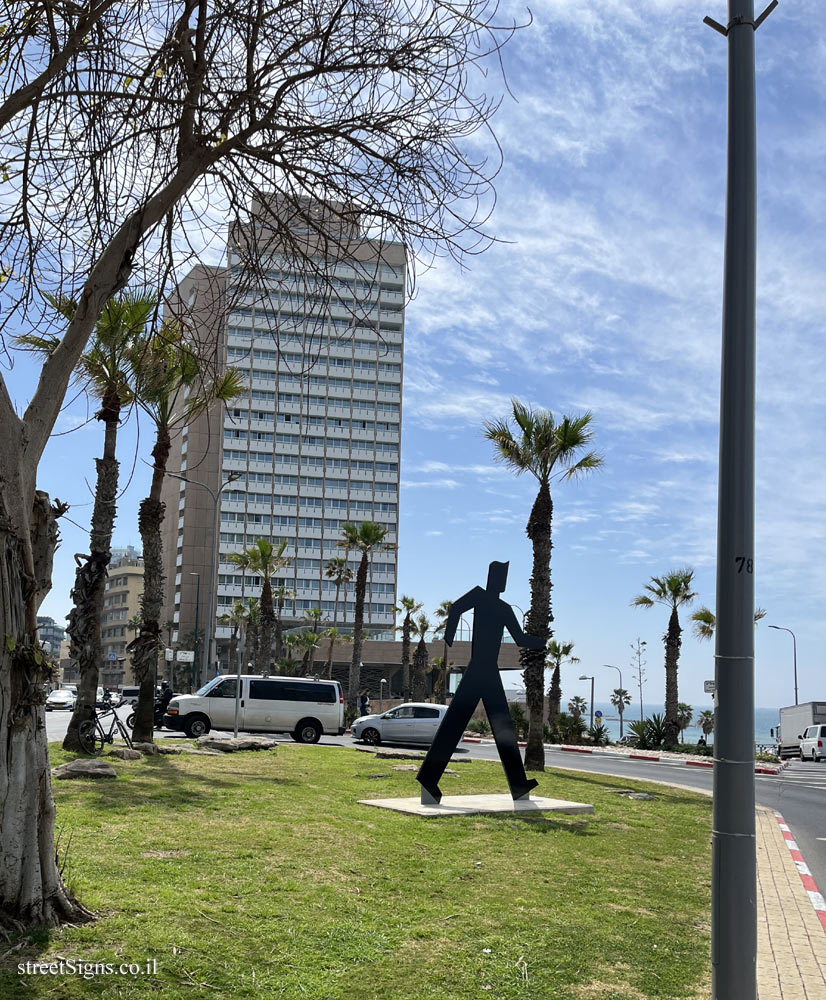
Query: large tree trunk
[406, 692]
[147, 643]
[420, 671]
[90, 577]
[538, 623]
[554, 697]
[673, 641]
[267, 625]
[354, 680]
[31, 888]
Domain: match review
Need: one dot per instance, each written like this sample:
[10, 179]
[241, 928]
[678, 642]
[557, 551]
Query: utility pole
[734, 859]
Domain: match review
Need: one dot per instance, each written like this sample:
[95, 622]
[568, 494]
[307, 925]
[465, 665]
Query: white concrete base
[469, 805]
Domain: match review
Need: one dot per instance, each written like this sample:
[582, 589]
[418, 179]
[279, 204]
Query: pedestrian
[364, 702]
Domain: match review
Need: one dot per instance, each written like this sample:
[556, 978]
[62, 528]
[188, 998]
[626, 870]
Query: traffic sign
[112, 656]
[597, 715]
[709, 687]
[185, 656]
[168, 654]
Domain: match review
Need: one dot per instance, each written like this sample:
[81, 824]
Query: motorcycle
[159, 712]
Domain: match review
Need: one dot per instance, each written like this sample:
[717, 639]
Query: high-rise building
[121, 605]
[313, 443]
[48, 631]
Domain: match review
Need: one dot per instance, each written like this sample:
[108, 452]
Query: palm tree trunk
[406, 694]
[554, 697]
[267, 623]
[673, 642]
[358, 627]
[538, 623]
[419, 671]
[146, 644]
[90, 576]
[278, 628]
[32, 892]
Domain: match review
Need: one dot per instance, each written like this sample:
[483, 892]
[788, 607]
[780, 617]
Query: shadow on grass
[611, 783]
[182, 788]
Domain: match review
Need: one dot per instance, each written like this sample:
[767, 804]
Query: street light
[197, 665]
[584, 677]
[382, 682]
[211, 603]
[783, 628]
[611, 665]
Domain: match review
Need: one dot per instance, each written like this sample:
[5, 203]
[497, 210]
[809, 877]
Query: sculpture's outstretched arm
[462, 604]
[519, 637]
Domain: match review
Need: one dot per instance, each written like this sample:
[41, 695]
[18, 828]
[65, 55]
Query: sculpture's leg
[447, 738]
[496, 705]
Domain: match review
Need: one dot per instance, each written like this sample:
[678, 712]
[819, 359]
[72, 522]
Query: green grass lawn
[259, 875]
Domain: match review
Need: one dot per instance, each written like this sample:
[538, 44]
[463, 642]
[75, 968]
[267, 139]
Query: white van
[130, 694]
[303, 707]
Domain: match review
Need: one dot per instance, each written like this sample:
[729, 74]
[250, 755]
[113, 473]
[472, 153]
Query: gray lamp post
[585, 677]
[212, 549]
[197, 665]
[783, 628]
[611, 665]
[382, 682]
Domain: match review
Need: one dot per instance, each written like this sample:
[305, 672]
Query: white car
[813, 743]
[62, 698]
[414, 722]
[300, 706]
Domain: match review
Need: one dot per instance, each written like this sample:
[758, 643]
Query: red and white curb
[809, 884]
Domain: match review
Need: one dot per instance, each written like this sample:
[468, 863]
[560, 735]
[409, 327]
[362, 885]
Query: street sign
[112, 656]
[185, 656]
[709, 687]
[597, 715]
[168, 655]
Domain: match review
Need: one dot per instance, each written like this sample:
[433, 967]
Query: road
[798, 792]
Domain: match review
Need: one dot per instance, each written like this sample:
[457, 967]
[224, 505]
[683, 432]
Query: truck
[793, 723]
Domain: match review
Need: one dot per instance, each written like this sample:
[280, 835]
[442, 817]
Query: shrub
[480, 726]
[519, 719]
[570, 728]
[598, 735]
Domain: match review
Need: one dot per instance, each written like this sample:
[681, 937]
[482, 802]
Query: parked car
[629, 740]
[813, 743]
[61, 698]
[300, 706]
[414, 722]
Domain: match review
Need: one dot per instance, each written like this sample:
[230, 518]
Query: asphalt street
[798, 792]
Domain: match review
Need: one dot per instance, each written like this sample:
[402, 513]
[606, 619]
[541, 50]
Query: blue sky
[605, 294]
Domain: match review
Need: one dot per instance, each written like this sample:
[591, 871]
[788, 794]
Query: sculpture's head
[497, 577]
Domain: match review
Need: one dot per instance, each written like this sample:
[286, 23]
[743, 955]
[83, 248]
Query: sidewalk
[791, 941]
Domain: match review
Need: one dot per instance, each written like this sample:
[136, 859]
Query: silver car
[61, 698]
[414, 722]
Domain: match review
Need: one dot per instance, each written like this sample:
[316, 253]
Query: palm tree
[408, 606]
[577, 706]
[444, 664]
[705, 621]
[674, 591]
[172, 388]
[307, 643]
[620, 699]
[338, 570]
[557, 654]
[334, 634]
[420, 627]
[236, 619]
[367, 537]
[105, 373]
[265, 560]
[281, 594]
[546, 450]
[706, 721]
[685, 713]
[252, 630]
[440, 668]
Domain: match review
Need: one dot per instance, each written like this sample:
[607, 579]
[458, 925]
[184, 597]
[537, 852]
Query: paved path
[791, 941]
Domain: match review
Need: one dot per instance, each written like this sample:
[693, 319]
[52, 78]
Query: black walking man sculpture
[481, 680]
